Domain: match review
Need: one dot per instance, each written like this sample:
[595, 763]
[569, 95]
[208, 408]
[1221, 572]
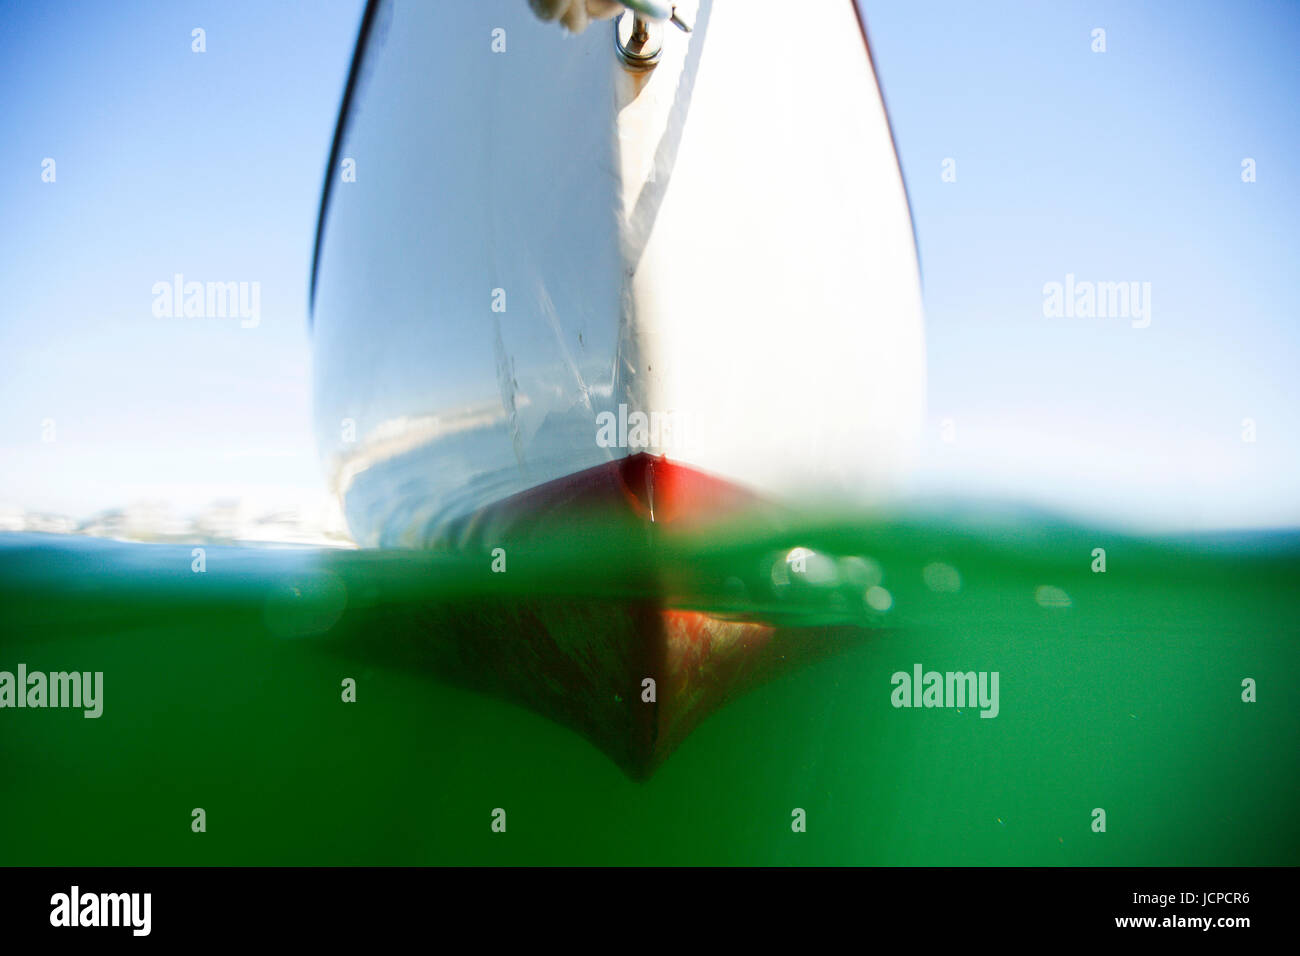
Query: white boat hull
[540, 244]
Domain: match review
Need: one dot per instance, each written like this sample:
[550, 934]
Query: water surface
[1119, 690]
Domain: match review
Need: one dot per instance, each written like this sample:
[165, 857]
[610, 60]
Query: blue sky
[167, 161]
[1122, 165]
[1115, 166]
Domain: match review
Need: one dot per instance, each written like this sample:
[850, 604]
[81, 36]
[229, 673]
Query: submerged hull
[633, 672]
[548, 275]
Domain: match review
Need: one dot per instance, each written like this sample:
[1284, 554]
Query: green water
[222, 691]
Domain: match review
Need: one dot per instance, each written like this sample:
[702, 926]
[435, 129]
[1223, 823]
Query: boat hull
[556, 298]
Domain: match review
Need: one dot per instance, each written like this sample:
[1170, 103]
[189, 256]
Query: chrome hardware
[639, 34]
[639, 41]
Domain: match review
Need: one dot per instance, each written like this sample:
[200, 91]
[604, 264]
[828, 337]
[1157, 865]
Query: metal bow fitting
[659, 12]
